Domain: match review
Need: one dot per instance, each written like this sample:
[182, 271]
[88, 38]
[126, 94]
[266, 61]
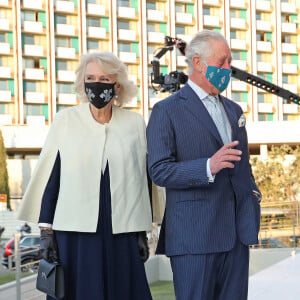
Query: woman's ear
[117, 87]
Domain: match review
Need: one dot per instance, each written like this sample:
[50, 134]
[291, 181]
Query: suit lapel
[195, 106]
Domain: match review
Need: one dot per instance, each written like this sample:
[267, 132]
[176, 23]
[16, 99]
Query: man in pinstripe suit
[212, 209]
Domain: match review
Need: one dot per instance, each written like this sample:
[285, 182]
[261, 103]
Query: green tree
[277, 177]
[4, 188]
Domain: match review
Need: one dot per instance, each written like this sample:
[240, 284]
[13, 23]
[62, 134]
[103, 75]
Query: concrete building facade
[42, 40]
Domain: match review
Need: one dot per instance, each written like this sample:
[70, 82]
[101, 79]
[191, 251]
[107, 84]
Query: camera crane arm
[172, 81]
[265, 85]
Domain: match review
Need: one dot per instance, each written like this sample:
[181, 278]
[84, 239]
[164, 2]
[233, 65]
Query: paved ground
[279, 281]
[28, 291]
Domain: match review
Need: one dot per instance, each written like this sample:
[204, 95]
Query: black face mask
[99, 93]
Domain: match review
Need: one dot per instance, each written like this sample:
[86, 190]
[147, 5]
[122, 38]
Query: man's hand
[143, 246]
[225, 157]
[48, 246]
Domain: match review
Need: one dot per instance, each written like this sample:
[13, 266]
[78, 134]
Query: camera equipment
[171, 82]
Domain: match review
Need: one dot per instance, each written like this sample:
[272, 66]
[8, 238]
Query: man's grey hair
[200, 45]
[111, 65]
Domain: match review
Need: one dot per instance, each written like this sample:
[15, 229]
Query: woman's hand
[143, 246]
[48, 246]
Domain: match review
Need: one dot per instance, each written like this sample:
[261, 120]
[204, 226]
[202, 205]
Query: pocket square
[242, 121]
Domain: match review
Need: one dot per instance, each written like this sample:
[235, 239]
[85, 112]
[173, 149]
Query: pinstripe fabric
[203, 221]
[220, 276]
[200, 217]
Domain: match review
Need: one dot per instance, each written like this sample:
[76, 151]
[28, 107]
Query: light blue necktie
[219, 117]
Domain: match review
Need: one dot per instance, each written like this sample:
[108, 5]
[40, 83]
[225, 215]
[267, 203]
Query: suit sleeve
[164, 168]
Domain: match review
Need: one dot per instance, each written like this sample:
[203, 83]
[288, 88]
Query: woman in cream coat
[89, 190]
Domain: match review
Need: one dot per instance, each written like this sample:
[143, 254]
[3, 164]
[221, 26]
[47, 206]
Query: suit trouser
[217, 276]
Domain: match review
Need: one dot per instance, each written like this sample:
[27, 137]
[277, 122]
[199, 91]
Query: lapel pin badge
[242, 121]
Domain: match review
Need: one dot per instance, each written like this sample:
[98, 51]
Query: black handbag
[50, 279]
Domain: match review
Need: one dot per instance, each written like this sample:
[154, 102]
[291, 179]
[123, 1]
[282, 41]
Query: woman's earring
[116, 96]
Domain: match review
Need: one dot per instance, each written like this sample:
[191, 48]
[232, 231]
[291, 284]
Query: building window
[232, 13]
[91, 44]
[180, 8]
[206, 11]
[258, 16]
[64, 88]
[265, 117]
[94, 22]
[123, 25]
[259, 57]
[3, 85]
[30, 86]
[285, 79]
[29, 39]
[60, 19]
[2, 108]
[180, 29]
[28, 63]
[236, 55]
[61, 65]
[233, 34]
[151, 5]
[260, 98]
[63, 42]
[151, 27]
[124, 47]
[124, 3]
[35, 110]
[2, 38]
[28, 16]
[236, 97]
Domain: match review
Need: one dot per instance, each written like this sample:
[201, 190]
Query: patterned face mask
[218, 77]
[99, 93]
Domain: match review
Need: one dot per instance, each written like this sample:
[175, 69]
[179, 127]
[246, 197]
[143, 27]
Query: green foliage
[4, 188]
[162, 290]
[278, 175]
[10, 276]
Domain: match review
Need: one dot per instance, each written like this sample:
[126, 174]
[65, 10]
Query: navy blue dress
[101, 265]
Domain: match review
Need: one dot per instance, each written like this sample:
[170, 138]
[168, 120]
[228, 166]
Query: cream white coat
[81, 141]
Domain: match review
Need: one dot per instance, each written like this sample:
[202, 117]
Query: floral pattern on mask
[99, 93]
[106, 95]
[89, 94]
[218, 77]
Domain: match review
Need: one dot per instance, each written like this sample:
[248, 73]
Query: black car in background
[29, 252]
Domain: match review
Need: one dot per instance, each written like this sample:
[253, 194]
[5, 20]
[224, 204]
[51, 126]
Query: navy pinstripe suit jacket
[200, 217]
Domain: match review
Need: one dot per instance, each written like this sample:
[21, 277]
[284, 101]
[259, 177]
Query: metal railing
[14, 262]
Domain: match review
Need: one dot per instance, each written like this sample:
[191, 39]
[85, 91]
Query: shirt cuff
[45, 225]
[257, 195]
[210, 177]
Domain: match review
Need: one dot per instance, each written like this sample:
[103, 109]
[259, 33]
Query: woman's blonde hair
[109, 64]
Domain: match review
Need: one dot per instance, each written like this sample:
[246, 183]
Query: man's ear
[197, 63]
